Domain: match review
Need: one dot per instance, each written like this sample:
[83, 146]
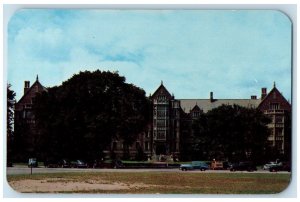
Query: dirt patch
[54, 185]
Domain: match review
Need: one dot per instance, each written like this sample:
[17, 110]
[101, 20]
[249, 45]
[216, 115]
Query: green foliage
[9, 121]
[80, 118]
[10, 110]
[230, 132]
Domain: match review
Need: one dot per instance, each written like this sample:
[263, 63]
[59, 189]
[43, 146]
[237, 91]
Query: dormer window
[196, 114]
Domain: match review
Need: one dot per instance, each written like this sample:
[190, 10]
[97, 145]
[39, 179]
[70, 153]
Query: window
[161, 123]
[33, 100]
[274, 106]
[162, 113]
[175, 105]
[161, 135]
[278, 144]
[146, 146]
[279, 132]
[279, 119]
[27, 106]
[196, 114]
[161, 98]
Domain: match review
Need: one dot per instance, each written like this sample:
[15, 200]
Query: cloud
[193, 52]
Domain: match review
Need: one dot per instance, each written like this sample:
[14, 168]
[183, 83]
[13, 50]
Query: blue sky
[232, 53]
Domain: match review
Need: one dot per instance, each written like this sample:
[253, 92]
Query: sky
[233, 53]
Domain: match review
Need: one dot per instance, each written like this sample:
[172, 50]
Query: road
[25, 170]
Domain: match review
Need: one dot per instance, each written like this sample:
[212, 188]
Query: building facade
[275, 106]
[25, 123]
[170, 127]
[173, 118]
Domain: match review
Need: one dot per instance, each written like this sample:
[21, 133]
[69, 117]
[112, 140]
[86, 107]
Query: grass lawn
[154, 182]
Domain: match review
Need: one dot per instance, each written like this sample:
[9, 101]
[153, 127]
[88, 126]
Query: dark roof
[36, 83]
[196, 108]
[279, 99]
[161, 90]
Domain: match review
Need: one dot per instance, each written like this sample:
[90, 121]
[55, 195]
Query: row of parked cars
[201, 165]
[238, 166]
[65, 163]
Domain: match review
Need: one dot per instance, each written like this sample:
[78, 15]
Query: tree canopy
[80, 118]
[230, 132]
[9, 121]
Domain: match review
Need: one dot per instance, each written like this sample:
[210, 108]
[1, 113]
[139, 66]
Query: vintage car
[200, 165]
[282, 166]
[64, 163]
[268, 165]
[79, 164]
[243, 166]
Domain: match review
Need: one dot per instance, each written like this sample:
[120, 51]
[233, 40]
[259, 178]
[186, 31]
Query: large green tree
[231, 132]
[80, 118]
[9, 121]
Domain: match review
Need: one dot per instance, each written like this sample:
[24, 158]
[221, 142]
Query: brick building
[24, 123]
[172, 119]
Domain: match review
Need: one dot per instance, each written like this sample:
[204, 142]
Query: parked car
[282, 166]
[51, 163]
[64, 163]
[226, 165]
[268, 165]
[243, 166]
[194, 165]
[32, 162]
[117, 164]
[79, 164]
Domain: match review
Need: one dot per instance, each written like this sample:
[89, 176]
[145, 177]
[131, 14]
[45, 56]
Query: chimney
[263, 93]
[253, 97]
[26, 86]
[211, 96]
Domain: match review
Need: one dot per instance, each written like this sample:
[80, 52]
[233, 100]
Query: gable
[26, 99]
[161, 91]
[274, 100]
[196, 108]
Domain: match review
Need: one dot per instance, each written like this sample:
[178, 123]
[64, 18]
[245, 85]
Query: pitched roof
[36, 85]
[278, 98]
[161, 90]
[206, 104]
[196, 108]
